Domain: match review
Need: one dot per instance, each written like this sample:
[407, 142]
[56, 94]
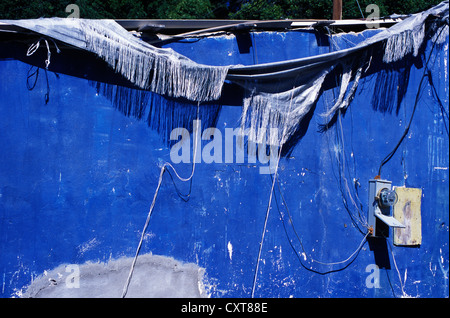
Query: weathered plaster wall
[77, 179]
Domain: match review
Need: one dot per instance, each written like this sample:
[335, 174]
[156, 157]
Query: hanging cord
[359, 7]
[348, 258]
[340, 156]
[255, 276]
[265, 222]
[404, 294]
[161, 174]
[32, 85]
[341, 166]
[291, 222]
[418, 95]
[31, 50]
[35, 46]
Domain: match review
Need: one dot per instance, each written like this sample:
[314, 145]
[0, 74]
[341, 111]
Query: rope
[161, 174]
[35, 46]
[255, 277]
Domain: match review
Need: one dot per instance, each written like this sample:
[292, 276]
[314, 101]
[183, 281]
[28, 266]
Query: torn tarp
[281, 94]
[278, 95]
[159, 70]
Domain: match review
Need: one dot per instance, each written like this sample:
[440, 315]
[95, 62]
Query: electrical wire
[264, 228]
[362, 14]
[404, 294]
[291, 222]
[398, 272]
[357, 220]
[418, 95]
[436, 97]
[348, 261]
[275, 180]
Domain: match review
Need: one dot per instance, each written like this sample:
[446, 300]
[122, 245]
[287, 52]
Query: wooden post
[337, 9]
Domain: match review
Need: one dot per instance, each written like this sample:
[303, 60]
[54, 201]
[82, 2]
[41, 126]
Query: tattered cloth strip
[278, 95]
[159, 70]
[281, 94]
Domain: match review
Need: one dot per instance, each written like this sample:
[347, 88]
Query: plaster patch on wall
[153, 276]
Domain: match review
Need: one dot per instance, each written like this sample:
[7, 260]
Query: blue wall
[77, 178]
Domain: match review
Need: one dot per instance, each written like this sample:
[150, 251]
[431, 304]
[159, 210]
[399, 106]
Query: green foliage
[182, 9]
[205, 9]
[350, 9]
[259, 10]
[305, 9]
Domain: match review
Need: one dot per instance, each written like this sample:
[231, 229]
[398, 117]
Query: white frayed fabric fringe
[274, 117]
[265, 110]
[401, 44]
[165, 72]
[161, 71]
[345, 94]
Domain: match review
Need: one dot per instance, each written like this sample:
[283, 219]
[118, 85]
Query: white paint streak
[86, 246]
[230, 250]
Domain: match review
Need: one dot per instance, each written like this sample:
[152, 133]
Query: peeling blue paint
[77, 179]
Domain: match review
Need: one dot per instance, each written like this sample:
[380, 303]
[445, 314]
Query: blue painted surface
[77, 178]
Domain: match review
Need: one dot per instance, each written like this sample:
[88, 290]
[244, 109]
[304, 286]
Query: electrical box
[381, 199]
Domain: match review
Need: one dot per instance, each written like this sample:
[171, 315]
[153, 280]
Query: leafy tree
[202, 9]
[181, 9]
[322, 9]
[259, 10]
[351, 10]
[93, 9]
[305, 9]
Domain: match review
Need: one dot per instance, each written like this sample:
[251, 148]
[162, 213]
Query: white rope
[265, 224]
[35, 46]
[348, 258]
[398, 272]
[270, 202]
[267, 216]
[163, 169]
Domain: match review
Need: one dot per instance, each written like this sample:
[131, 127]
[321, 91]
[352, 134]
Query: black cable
[297, 254]
[32, 85]
[425, 74]
[436, 96]
[182, 196]
[30, 74]
[391, 154]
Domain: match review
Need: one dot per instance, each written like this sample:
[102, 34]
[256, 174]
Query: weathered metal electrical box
[381, 199]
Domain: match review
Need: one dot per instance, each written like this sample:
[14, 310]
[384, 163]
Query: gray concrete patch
[153, 276]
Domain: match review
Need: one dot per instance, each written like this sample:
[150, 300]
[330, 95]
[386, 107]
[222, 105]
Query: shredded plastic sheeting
[278, 95]
[159, 70]
[274, 104]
